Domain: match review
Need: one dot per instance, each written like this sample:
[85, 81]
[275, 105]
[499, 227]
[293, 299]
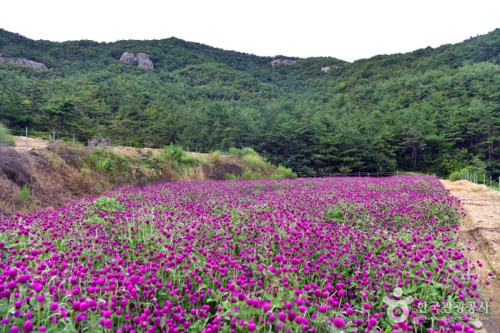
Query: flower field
[303, 255]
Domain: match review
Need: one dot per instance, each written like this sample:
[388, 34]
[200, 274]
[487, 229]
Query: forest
[434, 110]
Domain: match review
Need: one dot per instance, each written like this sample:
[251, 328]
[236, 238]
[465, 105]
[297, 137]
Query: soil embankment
[481, 228]
[50, 174]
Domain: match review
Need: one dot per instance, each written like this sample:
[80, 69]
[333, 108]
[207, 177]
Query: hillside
[431, 110]
[51, 174]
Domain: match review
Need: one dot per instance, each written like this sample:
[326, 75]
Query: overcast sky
[346, 29]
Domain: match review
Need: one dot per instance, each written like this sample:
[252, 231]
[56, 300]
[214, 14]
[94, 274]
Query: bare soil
[480, 230]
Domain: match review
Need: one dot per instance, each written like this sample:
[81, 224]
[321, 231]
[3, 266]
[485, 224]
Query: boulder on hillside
[144, 61]
[23, 62]
[283, 62]
[140, 60]
[326, 69]
[128, 58]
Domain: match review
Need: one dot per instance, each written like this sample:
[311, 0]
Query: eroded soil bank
[481, 230]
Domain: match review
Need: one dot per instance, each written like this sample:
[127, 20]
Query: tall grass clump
[106, 161]
[236, 152]
[255, 161]
[177, 159]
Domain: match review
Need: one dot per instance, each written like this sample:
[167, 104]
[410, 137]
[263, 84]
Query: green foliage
[96, 220]
[255, 162]
[24, 194]
[189, 160]
[230, 176]
[108, 204]
[282, 173]
[455, 175]
[236, 152]
[247, 174]
[5, 137]
[172, 153]
[105, 160]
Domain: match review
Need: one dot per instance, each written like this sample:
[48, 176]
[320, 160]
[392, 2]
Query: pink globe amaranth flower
[338, 322]
[28, 326]
[322, 309]
[282, 316]
[14, 329]
[367, 306]
[54, 306]
[251, 326]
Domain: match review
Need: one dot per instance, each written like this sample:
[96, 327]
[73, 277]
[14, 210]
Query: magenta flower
[338, 322]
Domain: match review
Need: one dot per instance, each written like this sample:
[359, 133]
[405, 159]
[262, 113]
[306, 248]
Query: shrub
[24, 194]
[282, 173]
[105, 160]
[249, 151]
[190, 160]
[456, 175]
[235, 152]
[172, 153]
[230, 176]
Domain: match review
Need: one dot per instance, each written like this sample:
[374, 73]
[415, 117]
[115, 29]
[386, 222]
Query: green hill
[432, 110]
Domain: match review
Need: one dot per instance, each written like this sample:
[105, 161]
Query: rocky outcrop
[128, 58]
[23, 62]
[144, 61]
[326, 69]
[140, 60]
[283, 62]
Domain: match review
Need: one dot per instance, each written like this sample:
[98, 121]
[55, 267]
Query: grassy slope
[62, 172]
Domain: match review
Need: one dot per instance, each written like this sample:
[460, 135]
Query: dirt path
[481, 230]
